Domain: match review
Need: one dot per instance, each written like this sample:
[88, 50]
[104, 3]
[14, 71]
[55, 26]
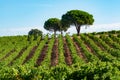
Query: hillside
[92, 56]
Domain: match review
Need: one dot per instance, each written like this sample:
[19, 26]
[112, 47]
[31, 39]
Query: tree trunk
[54, 34]
[61, 33]
[78, 30]
[61, 30]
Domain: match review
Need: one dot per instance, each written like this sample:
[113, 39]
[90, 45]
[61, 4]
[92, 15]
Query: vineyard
[90, 56]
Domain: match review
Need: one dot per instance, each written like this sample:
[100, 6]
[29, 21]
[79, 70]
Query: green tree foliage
[77, 18]
[52, 24]
[64, 27]
[34, 33]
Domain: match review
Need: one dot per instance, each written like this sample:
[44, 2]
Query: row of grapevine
[47, 60]
[33, 61]
[103, 56]
[113, 32]
[72, 48]
[113, 52]
[54, 54]
[8, 46]
[89, 55]
[60, 49]
[115, 38]
[102, 66]
[110, 42]
[67, 53]
[90, 71]
[14, 49]
[21, 59]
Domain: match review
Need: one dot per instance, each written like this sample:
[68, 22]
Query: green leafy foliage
[33, 34]
[53, 24]
[77, 18]
[104, 64]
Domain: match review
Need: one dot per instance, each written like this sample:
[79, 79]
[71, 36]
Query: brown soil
[8, 54]
[110, 45]
[42, 55]
[30, 54]
[68, 58]
[54, 54]
[20, 53]
[90, 49]
[101, 47]
[79, 51]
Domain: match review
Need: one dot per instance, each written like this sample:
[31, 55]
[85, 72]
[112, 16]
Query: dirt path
[8, 54]
[100, 46]
[79, 51]
[19, 54]
[42, 55]
[68, 58]
[91, 50]
[30, 54]
[97, 43]
[54, 54]
[88, 47]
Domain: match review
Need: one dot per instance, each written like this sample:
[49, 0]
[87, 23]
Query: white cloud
[97, 28]
[25, 30]
[19, 31]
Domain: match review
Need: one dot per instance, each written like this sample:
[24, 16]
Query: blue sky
[17, 17]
